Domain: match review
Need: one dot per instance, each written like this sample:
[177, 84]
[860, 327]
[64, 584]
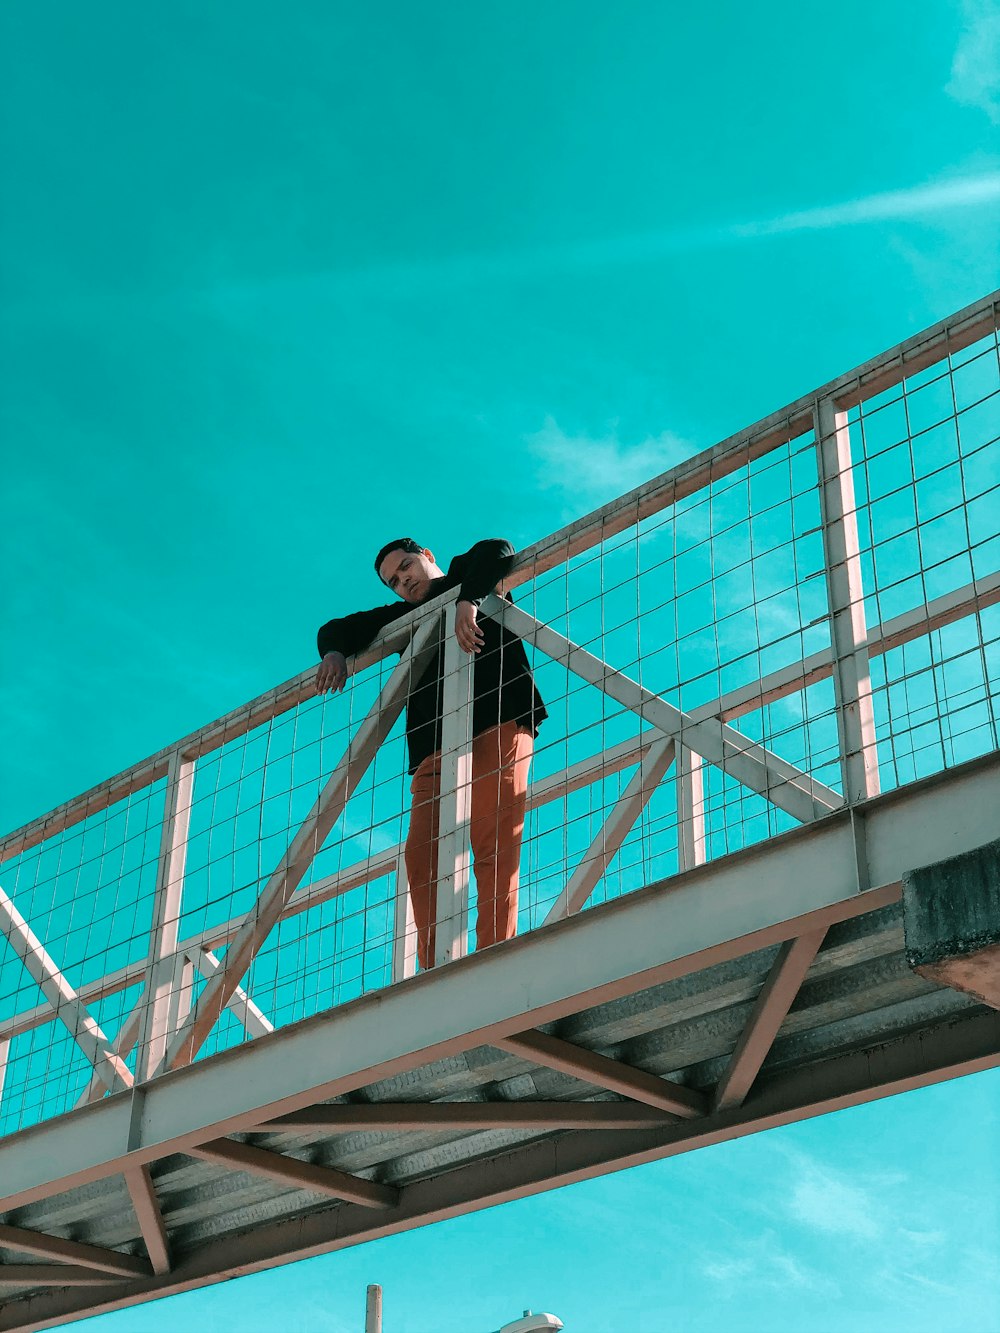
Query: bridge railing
[796, 619]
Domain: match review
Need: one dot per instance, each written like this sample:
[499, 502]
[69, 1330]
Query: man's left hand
[467, 629]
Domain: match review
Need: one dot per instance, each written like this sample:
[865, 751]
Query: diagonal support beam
[602, 1072]
[124, 1044]
[68, 1007]
[264, 915]
[292, 1171]
[616, 828]
[147, 1212]
[723, 746]
[255, 1022]
[386, 1117]
[207, 963]
[773, 1003]
[73, 1252]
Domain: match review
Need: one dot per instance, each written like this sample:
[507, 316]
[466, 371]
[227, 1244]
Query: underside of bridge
[760, 989]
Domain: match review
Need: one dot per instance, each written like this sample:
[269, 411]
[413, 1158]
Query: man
[506, 713]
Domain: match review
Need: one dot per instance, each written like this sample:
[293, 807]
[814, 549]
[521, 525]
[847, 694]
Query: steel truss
[529, 1001]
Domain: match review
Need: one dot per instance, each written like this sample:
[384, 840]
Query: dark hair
[400, 544]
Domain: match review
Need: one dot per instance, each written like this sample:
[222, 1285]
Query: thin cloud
[763, 1264]
[833, 1203]
[975, 70]
[589, 470]
[968, 192]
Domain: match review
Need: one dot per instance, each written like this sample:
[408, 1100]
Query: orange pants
[501, 757]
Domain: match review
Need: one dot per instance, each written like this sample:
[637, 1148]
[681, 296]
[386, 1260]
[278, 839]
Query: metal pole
[373, 1310]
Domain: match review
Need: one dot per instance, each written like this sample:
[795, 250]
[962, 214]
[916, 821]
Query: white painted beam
[616, 828]
[690, 809]
[742, 759]
[250, 1015]
[404, 937]
[154, 1029]
[65, 1002]
[455, 806]
[845, 592]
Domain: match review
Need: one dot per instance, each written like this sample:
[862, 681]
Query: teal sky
[278, 283]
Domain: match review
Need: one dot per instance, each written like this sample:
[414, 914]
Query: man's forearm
[487, 563]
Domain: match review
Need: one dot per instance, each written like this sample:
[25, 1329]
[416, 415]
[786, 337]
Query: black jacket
[503, 689]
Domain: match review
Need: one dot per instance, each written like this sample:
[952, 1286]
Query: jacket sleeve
[481, 568]
[351, 634]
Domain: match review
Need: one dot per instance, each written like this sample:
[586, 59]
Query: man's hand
[467, 630]
[332, 673]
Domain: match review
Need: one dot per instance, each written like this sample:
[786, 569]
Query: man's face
[408, 574]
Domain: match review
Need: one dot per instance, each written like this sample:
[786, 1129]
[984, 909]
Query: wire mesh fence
[689, 645]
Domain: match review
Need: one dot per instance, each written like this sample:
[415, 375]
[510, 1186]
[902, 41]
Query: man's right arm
[338, 640]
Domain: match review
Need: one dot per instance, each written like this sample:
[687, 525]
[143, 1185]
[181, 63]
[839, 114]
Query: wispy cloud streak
[944, 196]
[408, 277]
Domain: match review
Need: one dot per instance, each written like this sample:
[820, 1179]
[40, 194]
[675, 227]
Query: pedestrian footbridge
[773, 680]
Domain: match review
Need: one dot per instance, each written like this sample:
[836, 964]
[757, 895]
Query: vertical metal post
[159, 1015]
[404, 940]
[4, 1056]
[690, 809]
[373, 1309]
[456, 798]
[848, 632]
[181, 993]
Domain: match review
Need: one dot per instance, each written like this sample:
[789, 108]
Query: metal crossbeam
[787, 973]
[146, 1205]
[266, 912]
[292, 1171]
[54, 1275]
[755, 766]
[598, 1070]
[392, 1116]
[73, 1252]
[65, 1002]
[616, 828]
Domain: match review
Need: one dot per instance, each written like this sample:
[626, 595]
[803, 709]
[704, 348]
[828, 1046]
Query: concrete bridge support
[951, 918]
